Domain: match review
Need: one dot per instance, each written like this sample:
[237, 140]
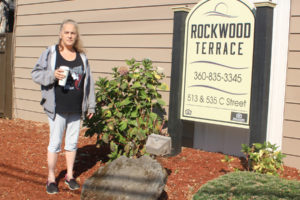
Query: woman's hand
[59, 74]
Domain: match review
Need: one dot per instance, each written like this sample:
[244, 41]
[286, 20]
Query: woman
[65, 105]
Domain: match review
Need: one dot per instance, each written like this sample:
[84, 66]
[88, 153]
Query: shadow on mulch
[86, 158]
[163, 196]
[244, 162]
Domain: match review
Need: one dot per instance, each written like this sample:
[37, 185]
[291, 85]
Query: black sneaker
[72, 184]
[51, 188]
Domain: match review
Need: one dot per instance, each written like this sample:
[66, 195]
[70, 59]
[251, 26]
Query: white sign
[217, 68]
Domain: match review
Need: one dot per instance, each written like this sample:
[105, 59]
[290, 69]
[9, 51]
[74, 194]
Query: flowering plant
[128, 108]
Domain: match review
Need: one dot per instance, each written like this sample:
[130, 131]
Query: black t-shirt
[68, 98]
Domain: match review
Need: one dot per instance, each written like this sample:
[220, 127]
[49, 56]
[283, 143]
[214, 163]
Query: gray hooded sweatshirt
[43, 74]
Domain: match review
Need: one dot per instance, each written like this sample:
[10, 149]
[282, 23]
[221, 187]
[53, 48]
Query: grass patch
[249, 185]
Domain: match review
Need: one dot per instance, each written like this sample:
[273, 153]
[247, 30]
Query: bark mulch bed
[23, 165]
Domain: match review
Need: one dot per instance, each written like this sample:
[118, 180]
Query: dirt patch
[23, 165]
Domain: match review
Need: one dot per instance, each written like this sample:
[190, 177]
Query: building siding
[112, 31]
[291, 124]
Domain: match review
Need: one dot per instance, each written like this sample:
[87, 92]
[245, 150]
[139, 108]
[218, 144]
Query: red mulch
[23, 165]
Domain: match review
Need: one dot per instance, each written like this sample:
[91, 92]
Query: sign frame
[235, 117]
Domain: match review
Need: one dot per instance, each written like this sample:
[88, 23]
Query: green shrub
[249, 185]
[263, 158]
[127, 108]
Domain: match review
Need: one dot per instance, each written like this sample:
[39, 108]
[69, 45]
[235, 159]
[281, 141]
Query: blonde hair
[78, 43]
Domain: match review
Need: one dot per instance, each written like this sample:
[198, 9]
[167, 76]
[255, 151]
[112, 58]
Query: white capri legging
[64, 121]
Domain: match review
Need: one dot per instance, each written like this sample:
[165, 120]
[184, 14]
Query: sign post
[175, 125]
[217, 65]
[261, 72]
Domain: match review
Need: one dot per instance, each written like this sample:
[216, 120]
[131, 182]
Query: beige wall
[291, 124]
[112, 31]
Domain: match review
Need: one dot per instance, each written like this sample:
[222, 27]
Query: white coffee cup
[63, 81]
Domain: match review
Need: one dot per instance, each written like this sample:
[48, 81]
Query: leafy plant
[263, 158]
[126, 109]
